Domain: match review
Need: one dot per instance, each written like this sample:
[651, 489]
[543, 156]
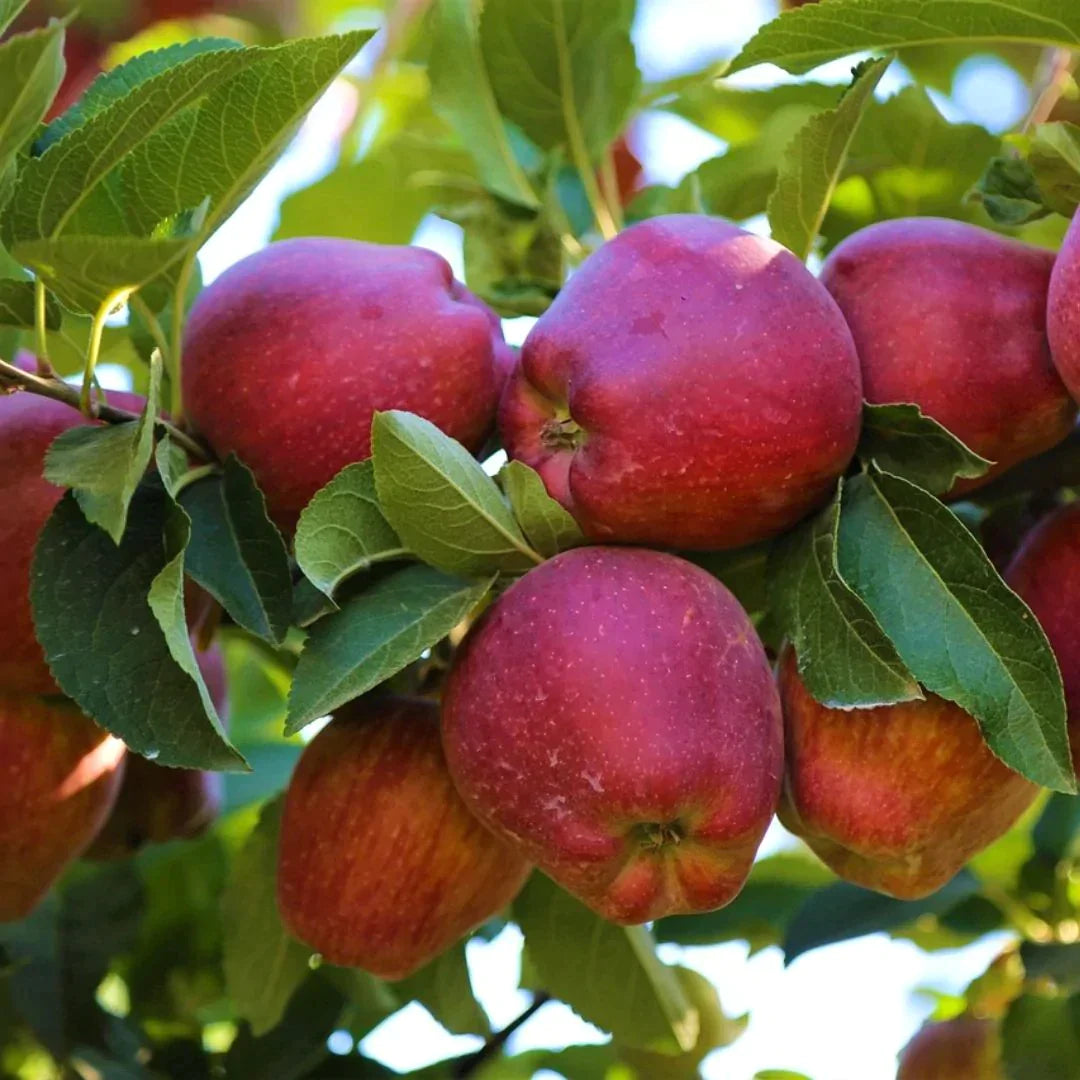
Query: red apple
[290, 352]
[28, 424]
[953, 318]
[157, 804]
[1045, 572]
[614, 716]
[381, 865]
[692, 386]
[1063, 309]
[895, 798]
[964, 1048]
[59, 775]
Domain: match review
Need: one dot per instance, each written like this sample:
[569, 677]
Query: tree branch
[468, 1066]
[13, 378]
[1055, 73]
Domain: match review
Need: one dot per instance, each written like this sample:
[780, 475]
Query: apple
[614, 717]
[59, 775]
[895, 798]
[1063, 309]
[289, 353]
[157, 804]
[692, 386]
[381, 866]
[953, 318]
[964, 1048]
[1045, 572]
[28, 424]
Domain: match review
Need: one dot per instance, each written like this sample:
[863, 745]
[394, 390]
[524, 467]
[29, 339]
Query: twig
[1055, 68]
[12, 377]
[468, 1066]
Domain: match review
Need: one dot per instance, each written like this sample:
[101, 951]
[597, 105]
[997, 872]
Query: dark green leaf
[547, 525]
[844, 657]
[237, 553]
[31, 68]
[171, 461]
[1057, 826]
[1059, 963]
[342, 530]
[113, 658]
[899, 439]
[17, 305]
[1040, 1038]
[443, 987]
[609, 975]
[960, 630]
[812, 164]
[441, 503]
[1009, 192]
[375, 635]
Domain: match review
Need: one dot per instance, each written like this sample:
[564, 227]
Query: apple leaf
[817, 33]
[103, 463]
[609, 975]
[900, 440]
[1040, 1037]
[374, 635]
[553, 63]
[444, 988]
[812, 163]
[342, 530]
[1054, 161]
[171, 461]
[959, 629]
[263, 964]
[17, 305]
[844, 657]
[113, 659]
[31, 69]
[547, 524]
[1058, 827]
[461, 92]
[842, 911]
[236, 552]
[9, 9]
[1010, 193]
[441, 503]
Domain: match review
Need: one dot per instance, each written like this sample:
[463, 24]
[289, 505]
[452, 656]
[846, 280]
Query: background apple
[615, 717]
[964, 1048]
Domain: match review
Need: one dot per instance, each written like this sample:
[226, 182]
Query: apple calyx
[562, 432]
[654, 836]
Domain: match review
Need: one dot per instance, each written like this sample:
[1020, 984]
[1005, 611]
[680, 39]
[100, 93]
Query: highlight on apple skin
[896, 798]
[59, 776]
[953, 318]
[381, 865]
[313, 336]
[652, 422]
[614, 716]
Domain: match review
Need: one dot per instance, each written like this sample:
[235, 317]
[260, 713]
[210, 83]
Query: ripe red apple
[895, 798]
[381, 866]
[964, 1048]
[290, 352]
[59, 775]
[28, 424]
[1063, 309]
[692, 386]
[1045, 572]
[157, 804]
[953, 318]
[614, 716]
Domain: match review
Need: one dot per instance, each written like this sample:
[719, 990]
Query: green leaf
[443, 987]
[818, 33]
[89, 271]
[113, 658]
[1054, 160]
[1059, 963]
[899, 439]
[1057, 828]
[103, 463]
[263, 964]
[237, 554]
[171, 462]
[844, 657]
[841, 911]
[1009, 192]
[375, 635]
[811, 167]
[547, 525]
[1040, 1037]
[342, 530]
[441, 503]
[461, 92]
[609, 975]
[9, 9]
[17, 305]
[31, 69]
[960, 630]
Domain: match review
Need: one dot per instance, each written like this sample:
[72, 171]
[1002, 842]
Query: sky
[838, 1013]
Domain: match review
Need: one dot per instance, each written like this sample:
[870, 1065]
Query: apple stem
[44, 368]
[469, 1066]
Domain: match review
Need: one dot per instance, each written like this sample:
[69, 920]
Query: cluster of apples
[613, 718]
[67, 788]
